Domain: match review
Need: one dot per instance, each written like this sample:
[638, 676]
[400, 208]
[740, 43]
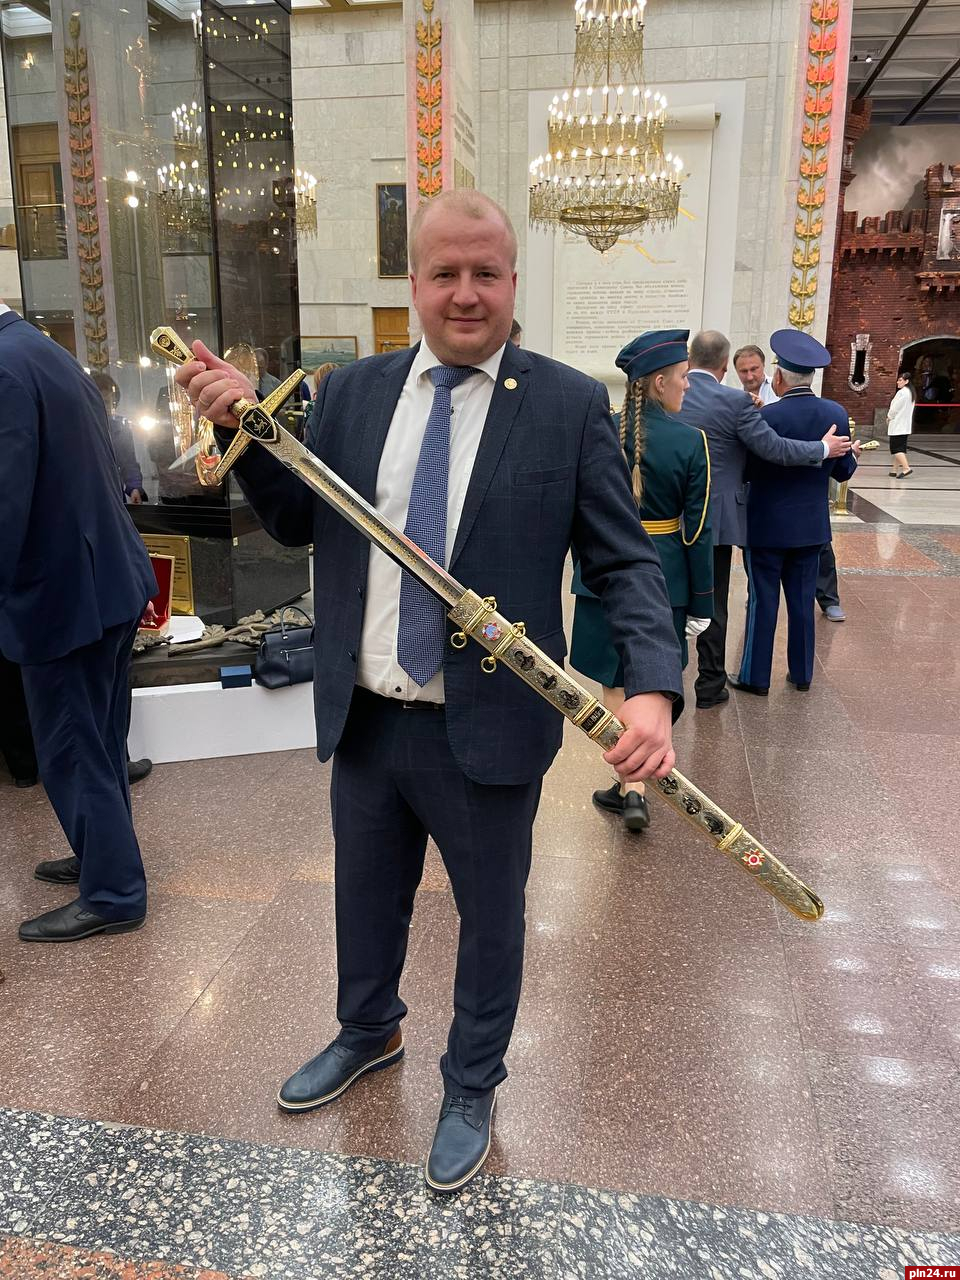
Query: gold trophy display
[477, 618]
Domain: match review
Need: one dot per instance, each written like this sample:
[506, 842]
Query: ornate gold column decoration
[429, 104]
[815, 143]
[84, 180]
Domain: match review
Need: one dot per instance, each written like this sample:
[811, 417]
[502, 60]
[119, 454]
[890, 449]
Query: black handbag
[285, 655]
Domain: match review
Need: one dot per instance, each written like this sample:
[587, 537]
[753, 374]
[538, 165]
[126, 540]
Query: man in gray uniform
[734, 428]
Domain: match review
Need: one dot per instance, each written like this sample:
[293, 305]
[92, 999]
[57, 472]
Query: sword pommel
[166, 342]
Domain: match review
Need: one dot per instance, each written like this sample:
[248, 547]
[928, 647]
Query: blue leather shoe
[461, 1142]
[332, 1072]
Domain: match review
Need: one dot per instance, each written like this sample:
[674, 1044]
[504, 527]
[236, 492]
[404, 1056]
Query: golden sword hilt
[166, 342]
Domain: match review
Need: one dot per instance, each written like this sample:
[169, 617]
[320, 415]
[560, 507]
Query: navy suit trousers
[395, 782]
[78, 711]
[767, 568]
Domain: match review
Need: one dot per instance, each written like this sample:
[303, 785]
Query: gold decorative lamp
[605, 173]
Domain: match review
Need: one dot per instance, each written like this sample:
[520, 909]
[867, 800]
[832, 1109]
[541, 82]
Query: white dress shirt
[377, 665]
[3, 308]
[767, 393]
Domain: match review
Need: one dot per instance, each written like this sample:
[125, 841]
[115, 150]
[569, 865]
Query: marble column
[112, 233]
[440, 42]
[819, 150]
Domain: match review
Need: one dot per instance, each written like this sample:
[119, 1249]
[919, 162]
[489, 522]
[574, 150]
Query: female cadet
[671, 483]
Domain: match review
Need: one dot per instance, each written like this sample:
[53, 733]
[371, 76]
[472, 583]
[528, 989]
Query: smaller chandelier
[305, 202]
[605, 173]
[184, 198]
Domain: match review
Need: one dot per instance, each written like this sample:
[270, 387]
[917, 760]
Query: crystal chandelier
[605, 173]
[305, 203]
[184, 198]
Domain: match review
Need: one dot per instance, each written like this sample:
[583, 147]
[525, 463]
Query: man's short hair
[473, 203]
[105, 383]
[793, 379]
[749, 350]
[709, 349]
[515, 330]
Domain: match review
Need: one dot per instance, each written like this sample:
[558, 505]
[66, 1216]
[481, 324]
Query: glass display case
[152, 182]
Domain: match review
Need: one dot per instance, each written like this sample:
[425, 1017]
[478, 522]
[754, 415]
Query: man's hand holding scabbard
[222, 394]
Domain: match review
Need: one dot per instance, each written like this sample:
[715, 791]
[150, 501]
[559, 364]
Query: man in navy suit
[735, 431]
[495, 460]
[74, 581]
[788, 518]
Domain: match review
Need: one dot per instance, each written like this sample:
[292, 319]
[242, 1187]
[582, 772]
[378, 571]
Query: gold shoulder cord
[706, 500]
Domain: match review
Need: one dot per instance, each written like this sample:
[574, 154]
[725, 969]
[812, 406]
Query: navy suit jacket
[735, 430]
[789, 506]
[549, 471]
[71, 562]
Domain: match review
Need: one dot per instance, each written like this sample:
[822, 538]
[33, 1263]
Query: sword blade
[383, 533]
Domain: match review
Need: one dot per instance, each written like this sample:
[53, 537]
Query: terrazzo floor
[701, 1085]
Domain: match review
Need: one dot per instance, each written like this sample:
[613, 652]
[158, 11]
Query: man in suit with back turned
[74, 581]
[735, 430]
[493, 460]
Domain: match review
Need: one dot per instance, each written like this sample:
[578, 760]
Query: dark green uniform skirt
[591, 652]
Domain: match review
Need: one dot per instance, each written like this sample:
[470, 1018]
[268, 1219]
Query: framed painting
[391, 230]
[315, 351]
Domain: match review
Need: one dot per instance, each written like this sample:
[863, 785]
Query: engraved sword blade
[364, 517]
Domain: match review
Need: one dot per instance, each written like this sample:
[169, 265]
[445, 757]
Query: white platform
[204, 721]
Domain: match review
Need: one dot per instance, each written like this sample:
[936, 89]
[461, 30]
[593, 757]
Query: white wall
[706, 48]
[349, 130]
[349, 123]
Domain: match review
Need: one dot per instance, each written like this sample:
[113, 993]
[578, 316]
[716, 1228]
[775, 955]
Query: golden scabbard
[508, 644]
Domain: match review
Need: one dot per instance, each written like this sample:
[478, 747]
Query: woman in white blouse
[900, 425]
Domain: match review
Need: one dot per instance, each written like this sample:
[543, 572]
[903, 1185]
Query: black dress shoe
[26, 780]
[332, 1072]
[58, 870]
[71, 923]
[636, 815]
[800, 685]
[611, 801]
[137, 770]
[704, 704]
[742, 687]
[461, 1142]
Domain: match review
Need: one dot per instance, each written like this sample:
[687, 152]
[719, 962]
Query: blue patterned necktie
[422, 624]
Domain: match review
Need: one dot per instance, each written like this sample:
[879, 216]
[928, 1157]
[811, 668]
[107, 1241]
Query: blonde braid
[635, 401]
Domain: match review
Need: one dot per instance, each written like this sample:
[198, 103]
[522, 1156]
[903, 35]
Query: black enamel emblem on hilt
[669, 786]
[692, 806]
[569, 700]
[713, 825]
[259, 424]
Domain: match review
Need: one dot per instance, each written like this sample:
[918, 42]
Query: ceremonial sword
[507, 643]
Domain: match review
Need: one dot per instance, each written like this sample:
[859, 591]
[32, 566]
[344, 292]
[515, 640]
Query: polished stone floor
[701, 1085]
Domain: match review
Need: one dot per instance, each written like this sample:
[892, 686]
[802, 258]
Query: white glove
[695, 626]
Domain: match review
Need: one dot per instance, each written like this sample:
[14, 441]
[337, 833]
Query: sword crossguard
[166, 342]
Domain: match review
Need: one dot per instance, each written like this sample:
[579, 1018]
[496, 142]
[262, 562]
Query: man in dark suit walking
[74, 581]
[788, 518]
[735, 430]
[494, 460]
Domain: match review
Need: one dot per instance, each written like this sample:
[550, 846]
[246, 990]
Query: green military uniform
[676, 487]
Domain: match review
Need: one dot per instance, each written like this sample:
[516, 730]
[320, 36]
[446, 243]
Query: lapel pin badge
[510, 384]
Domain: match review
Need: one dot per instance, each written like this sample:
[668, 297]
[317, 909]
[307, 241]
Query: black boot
[636, 815]
[611, 801]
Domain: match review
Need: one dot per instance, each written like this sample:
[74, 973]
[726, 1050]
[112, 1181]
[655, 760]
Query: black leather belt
[421, 705]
